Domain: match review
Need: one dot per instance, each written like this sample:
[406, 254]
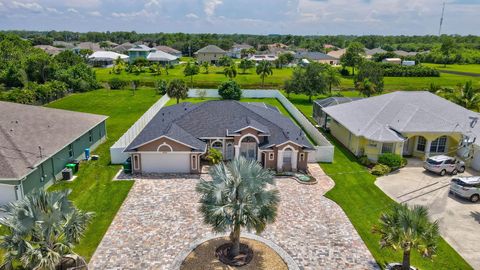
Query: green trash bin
[71, 166]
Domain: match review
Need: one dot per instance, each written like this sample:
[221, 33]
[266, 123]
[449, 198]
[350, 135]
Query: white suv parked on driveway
[444, 164]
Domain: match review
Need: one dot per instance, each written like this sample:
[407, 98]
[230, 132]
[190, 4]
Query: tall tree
[177, 89]
[408, 229]
[42, 228]
[447, 48]
[373, 72]
[205, 66]
[309, 80]
[332, 77]
[353, 56]
[264, 69]
[230, 71]
[191, 70]
[238, 197]
[246, 64]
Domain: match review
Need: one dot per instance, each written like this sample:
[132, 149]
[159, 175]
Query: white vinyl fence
[323, 150]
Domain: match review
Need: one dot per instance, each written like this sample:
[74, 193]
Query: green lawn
[93, 189]
[363, 202]
[251, 80]
[471, 68]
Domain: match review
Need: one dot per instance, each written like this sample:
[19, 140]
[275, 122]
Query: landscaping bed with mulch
[203, 257]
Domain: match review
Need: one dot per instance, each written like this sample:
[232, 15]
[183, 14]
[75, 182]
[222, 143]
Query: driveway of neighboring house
[160, 218]
[459, 219]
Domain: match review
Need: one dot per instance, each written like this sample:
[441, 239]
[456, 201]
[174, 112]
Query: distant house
[337, 54]
[139, 51]
[162, 58]
[50, 49]
[87, 46]
[123, 48]
[169, 50]
[105, 58]
[63, 44]
[404, 53]
[263, 57]
[210, 54]
[236, 50]
[408, 123]
[318, 57]
[396, 61]
[328, 46]
[37, 142]
[319, 105]
[369, 53]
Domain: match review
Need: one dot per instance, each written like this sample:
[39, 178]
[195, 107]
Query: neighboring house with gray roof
[179, 136]
[411, 123]
[139, 51]
[319, 105]
[37, 142]
[210, 54]
[169, 50]
[318, 57]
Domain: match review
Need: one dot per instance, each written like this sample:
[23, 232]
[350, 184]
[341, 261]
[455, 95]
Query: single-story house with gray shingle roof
[319, 105]
[410, 123]
[210, 54]
[179, 136]
[318, 57]
[37, 142]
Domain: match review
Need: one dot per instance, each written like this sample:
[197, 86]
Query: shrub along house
[179, 136]
[413, 123]
[37, 142]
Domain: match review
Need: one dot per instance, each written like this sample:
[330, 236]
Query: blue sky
[318, 17]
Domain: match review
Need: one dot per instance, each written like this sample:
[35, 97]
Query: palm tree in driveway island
[236, 198]
[408, 229]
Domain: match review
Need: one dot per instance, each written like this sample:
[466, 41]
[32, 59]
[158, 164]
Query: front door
[229, 151]
[406, 147]
[249, 150]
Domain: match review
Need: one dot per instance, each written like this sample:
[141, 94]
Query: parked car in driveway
[466, 187]
[444, 164]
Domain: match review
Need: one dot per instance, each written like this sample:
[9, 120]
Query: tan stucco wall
[153, 146]
[209, 57]
[345, 137]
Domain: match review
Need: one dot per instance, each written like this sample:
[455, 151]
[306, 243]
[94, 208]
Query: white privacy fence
[323, 150]
[116, 151]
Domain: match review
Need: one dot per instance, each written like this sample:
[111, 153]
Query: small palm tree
[205, 66]
[42, 229]
[177, 89]
[407, 229]
[230, 71]
[466, 95]
[156, 69]
[366, 87]
[238, 197]
[332, 77]
[264, 69]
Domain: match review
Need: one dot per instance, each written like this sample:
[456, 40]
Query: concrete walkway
[160, 218]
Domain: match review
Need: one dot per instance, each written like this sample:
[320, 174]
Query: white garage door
[166, 162]
[7, 194]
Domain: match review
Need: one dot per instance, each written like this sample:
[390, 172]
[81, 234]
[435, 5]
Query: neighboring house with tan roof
[87, 46]
[337, 54]
[210, 54]
[50, 49]
[410, 123]
[37, 142]
[169, 50]
[178, 137]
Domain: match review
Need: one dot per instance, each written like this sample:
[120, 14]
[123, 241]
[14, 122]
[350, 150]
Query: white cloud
[72, 10]
[53, 10]
[30, 6]
[209, 6]
[192, 16]
[141, 13]
[151, 3]
[95, 13]
[81, 3]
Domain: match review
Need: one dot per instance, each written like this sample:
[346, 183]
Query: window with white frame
[70, 151]
[302, 156]
[439, 145]
[270, 156]
[421, 144]
[387, 148]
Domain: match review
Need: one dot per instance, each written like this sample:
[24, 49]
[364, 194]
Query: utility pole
[441, 19]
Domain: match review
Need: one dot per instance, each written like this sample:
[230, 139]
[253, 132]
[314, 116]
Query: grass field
[363, 202]
[251, 80]
[93, 189]
[471, 68]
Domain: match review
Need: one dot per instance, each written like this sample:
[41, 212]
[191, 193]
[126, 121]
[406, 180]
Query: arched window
[439, 145]
[217, 145]
[248, 148]
[421, 144]
[164, 148]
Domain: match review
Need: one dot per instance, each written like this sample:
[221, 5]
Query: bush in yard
[161, 87]
[116, 83]
[393, 161]
[365, 161]
[380, 169]
[214, 155]
[230, 90]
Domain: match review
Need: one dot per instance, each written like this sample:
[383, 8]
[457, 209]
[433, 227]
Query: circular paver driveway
[159, 219]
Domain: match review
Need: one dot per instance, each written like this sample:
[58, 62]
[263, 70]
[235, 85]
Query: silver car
[444, 164]
[466, 187]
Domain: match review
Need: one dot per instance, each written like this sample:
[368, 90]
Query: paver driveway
[159, 219]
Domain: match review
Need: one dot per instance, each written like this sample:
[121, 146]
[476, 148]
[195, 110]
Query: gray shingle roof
[23, 128]
[314, 56]
[167, 49]
[332, 101]
[211, 49]
[382, 118]
[217, 119]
